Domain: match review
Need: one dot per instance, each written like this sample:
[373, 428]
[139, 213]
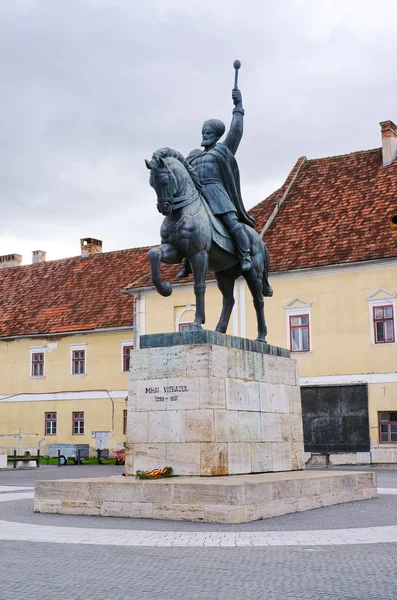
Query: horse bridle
[179, 201]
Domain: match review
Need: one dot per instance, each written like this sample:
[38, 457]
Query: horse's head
[164, 183]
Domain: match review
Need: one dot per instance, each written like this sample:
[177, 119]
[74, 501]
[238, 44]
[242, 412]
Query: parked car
[69, 452]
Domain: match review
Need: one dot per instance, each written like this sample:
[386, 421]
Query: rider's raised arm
[235, 134]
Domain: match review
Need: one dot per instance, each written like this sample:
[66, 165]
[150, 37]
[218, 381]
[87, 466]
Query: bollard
[59, 457]
[99, 452]
[78, 457]
[38, 459]
[15, 460]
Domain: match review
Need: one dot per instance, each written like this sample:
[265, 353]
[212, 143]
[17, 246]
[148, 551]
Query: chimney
[10, 260]
[38, 256]
[89, 246]
[389, 141]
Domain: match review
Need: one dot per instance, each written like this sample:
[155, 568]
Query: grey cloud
[91, 88]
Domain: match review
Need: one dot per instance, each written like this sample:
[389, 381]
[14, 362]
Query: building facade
[331, 230]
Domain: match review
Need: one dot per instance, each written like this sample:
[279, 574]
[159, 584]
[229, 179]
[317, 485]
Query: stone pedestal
[210, 404]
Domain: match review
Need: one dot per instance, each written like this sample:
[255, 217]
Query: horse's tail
[267, 290]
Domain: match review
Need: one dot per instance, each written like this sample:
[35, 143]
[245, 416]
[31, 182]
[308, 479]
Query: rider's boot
[186, 269]
[240, 239]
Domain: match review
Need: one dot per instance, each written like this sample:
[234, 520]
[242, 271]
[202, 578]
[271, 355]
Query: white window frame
[37, 350]
[179, 320]
[125, 343]
[298, 311]
[387, 298]
[74, 347]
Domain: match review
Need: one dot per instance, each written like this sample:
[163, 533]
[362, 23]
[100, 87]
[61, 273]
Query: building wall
[341, 349]
[100, 393]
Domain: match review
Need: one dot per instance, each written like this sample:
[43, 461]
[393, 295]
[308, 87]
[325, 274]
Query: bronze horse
[190, 231]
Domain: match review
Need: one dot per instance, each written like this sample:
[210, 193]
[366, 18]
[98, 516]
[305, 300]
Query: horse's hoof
[220, 329]
[195, 327]
[261, 338]
[166, 289]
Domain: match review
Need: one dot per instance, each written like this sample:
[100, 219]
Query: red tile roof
[73, 294]
[337, 211]
[334, 210]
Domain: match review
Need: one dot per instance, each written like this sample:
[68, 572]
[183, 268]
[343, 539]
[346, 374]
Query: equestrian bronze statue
[206, 225]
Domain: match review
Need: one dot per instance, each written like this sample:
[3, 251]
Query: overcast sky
[90, 88]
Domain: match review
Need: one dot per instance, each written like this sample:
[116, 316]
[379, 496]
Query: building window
[127, 358]
[387, 427]
[50, 423]
[184, 317]
[299, 333]
[383, 324]
[125, 422]
[78, 361]
[78, 423]
[37, 364]
[298, 325]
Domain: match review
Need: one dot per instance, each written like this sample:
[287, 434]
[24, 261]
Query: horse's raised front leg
[167, 254]
[199, 263]
[225, 283]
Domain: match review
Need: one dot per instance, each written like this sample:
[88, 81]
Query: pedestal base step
[229, 499]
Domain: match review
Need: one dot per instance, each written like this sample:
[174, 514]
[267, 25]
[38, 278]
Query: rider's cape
[230, 178]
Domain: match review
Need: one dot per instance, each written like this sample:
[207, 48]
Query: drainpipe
[137, 298]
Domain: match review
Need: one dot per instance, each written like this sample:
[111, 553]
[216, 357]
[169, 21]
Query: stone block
[219, 361]
[262, 457]
[253, 395]
[167, 426]
[3, 461]
[239, 458]
[296, 427]
[167, 394]
[237, 394]
[214, 459]
[225, 514]
[199, 361]
[297, 456]
[178, 512]
[137, 427]
[271, 427]
[165, 362]
[249, 426]
[149, 457]
[184, 458]
[287, 370]
[295, 401]
[132, 510]
[199, 425]
[226, 426]
[271, 370]
[282, 457]
[212, 392]
[264, 397]
[139, 364]
[204, 493]
[279, 398]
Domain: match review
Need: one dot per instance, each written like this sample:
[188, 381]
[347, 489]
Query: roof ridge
[77, 256]
[311, 160]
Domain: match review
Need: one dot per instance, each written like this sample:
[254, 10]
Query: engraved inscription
[160, 394]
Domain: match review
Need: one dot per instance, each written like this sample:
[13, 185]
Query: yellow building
[331, 230]
[66, 334]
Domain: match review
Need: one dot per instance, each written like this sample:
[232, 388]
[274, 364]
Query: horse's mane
[170, 153]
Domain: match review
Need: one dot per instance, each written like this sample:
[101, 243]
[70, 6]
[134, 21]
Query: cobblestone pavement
[315, 569]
